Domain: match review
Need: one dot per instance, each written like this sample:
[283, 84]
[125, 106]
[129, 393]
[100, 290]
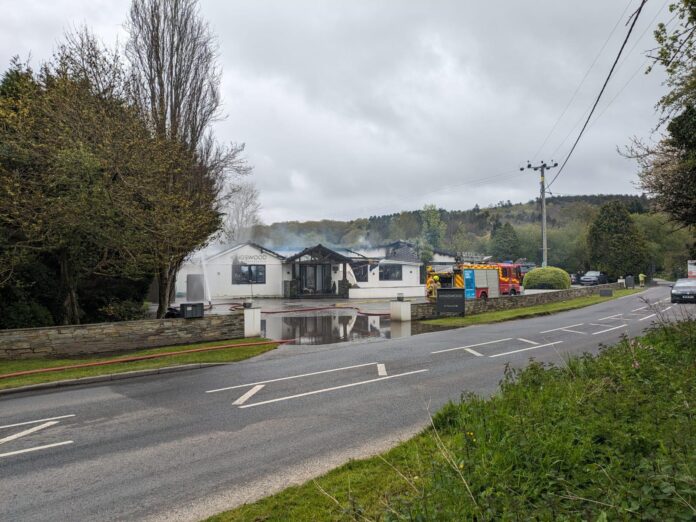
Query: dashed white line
[641, 308]
[609, 329]
[525, 349]
[666, 309]
[562, 328]
[647, 317]
[573, 331]
[526, 341]
[291, 377]
[381, 370]
[615, 316]
[248, 395]
[35, 421]
[36, 448]
[27, 432]
[472, 345]
[324, 390]
[473, 352]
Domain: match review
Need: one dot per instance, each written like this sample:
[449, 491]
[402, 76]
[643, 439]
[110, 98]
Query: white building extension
[246, 270]
[386, 279]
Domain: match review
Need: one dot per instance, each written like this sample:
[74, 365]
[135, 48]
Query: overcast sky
[354, 108]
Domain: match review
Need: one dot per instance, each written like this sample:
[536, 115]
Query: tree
[615, 245]
[176, 83]
[242, 212]
[504, 242]
[433, 229]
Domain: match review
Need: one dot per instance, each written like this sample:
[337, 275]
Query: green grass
[215, 356]
[611, 437]
[530, 311]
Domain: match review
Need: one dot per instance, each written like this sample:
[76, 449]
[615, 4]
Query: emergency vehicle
[478, 281]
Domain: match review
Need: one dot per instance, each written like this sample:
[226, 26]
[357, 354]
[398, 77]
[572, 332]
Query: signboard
[450, 301]
[691, 268]
[469, 284]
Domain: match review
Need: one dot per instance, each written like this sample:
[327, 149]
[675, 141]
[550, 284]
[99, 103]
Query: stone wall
[428, 310]
[26, 343]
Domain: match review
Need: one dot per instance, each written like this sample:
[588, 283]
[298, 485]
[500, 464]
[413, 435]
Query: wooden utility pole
[543, 167]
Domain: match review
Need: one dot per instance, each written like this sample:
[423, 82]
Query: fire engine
[478, 281]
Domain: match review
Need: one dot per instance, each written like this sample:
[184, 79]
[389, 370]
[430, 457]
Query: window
[360, 271]
[248, 274]
[390, 273]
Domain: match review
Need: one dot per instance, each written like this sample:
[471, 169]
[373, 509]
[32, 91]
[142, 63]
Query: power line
[599, 96]
[582, 82]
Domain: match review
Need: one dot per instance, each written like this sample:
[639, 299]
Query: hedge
[549, 277]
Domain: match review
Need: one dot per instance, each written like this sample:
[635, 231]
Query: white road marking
[291, 377]
[641, 308]
[473, 352]
[647, 317]
[610, 317]
[381, 370]
[562, 328]
[609, 329]
[666, 309]
[27, 432]
[526, 341]
[248, 395]
[35, 421]
[37, 448]
[573, 331]
[525, 349]
[324, 390]
[473, 345]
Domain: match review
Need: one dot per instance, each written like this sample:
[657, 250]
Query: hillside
[470, 231]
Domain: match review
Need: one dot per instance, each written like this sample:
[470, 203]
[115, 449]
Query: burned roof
[319, 254]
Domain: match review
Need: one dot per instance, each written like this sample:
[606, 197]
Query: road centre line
[647, 317]
[291, 377]
[381, 370]
[609, 317]
[472, 345]
[35, 421]
[248, 395]
[27, 432]
[666, 309]
[526, 341]
[324, 390]
[473, 352]
[641, 308]
[525, 349]
[609, 329]
[573, 331]
[562, 328]
[36, 448]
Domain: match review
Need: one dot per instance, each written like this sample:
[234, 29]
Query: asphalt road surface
[186, 445]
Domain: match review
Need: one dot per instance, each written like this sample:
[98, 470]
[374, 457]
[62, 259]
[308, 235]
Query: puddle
[336, 326]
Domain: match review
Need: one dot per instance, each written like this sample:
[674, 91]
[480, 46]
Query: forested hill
[462, 227]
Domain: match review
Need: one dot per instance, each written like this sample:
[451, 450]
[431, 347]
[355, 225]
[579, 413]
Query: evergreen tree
[614, 242]
[504, 242]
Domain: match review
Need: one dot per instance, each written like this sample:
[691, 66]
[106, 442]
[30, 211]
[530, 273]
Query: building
[250, 270]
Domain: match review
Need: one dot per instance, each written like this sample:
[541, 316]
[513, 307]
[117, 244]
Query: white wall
[218, 271]
[387, 293]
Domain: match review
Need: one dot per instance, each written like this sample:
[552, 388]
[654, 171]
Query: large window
[360, 271]
[390, 273]
[248, 274]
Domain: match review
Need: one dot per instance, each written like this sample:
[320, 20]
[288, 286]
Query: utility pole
[543, 167]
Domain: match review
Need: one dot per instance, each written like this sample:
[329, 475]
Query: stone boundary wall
[27, 343]
[428, 310]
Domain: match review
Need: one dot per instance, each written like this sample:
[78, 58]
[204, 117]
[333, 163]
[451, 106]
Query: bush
[25, 315]
[547, 278]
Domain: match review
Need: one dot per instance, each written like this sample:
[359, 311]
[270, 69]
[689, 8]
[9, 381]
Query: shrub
[547, 278]
[24, 314]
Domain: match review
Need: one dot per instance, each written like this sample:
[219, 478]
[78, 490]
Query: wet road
[187, 445]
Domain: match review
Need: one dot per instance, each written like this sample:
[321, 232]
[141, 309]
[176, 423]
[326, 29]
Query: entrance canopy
[318, 255]
[312, 273]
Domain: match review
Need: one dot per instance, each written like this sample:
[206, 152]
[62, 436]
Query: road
[186, 445]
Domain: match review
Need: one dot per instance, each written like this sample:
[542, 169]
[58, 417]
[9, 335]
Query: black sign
[450, 301]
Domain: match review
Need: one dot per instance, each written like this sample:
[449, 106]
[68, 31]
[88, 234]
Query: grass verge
[215, 356]
[530, 311]
[611, 437]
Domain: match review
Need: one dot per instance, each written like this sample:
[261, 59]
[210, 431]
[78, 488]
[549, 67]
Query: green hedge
[547, 278]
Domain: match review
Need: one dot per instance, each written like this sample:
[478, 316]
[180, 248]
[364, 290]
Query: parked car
[684, 291]
[594, 277]
[574, 278]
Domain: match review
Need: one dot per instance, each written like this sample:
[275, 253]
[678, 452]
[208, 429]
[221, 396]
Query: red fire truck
[490, 280]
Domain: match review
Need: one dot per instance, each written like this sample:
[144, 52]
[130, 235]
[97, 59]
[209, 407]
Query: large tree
[176, 83]
[504, 245]
[615, 245]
